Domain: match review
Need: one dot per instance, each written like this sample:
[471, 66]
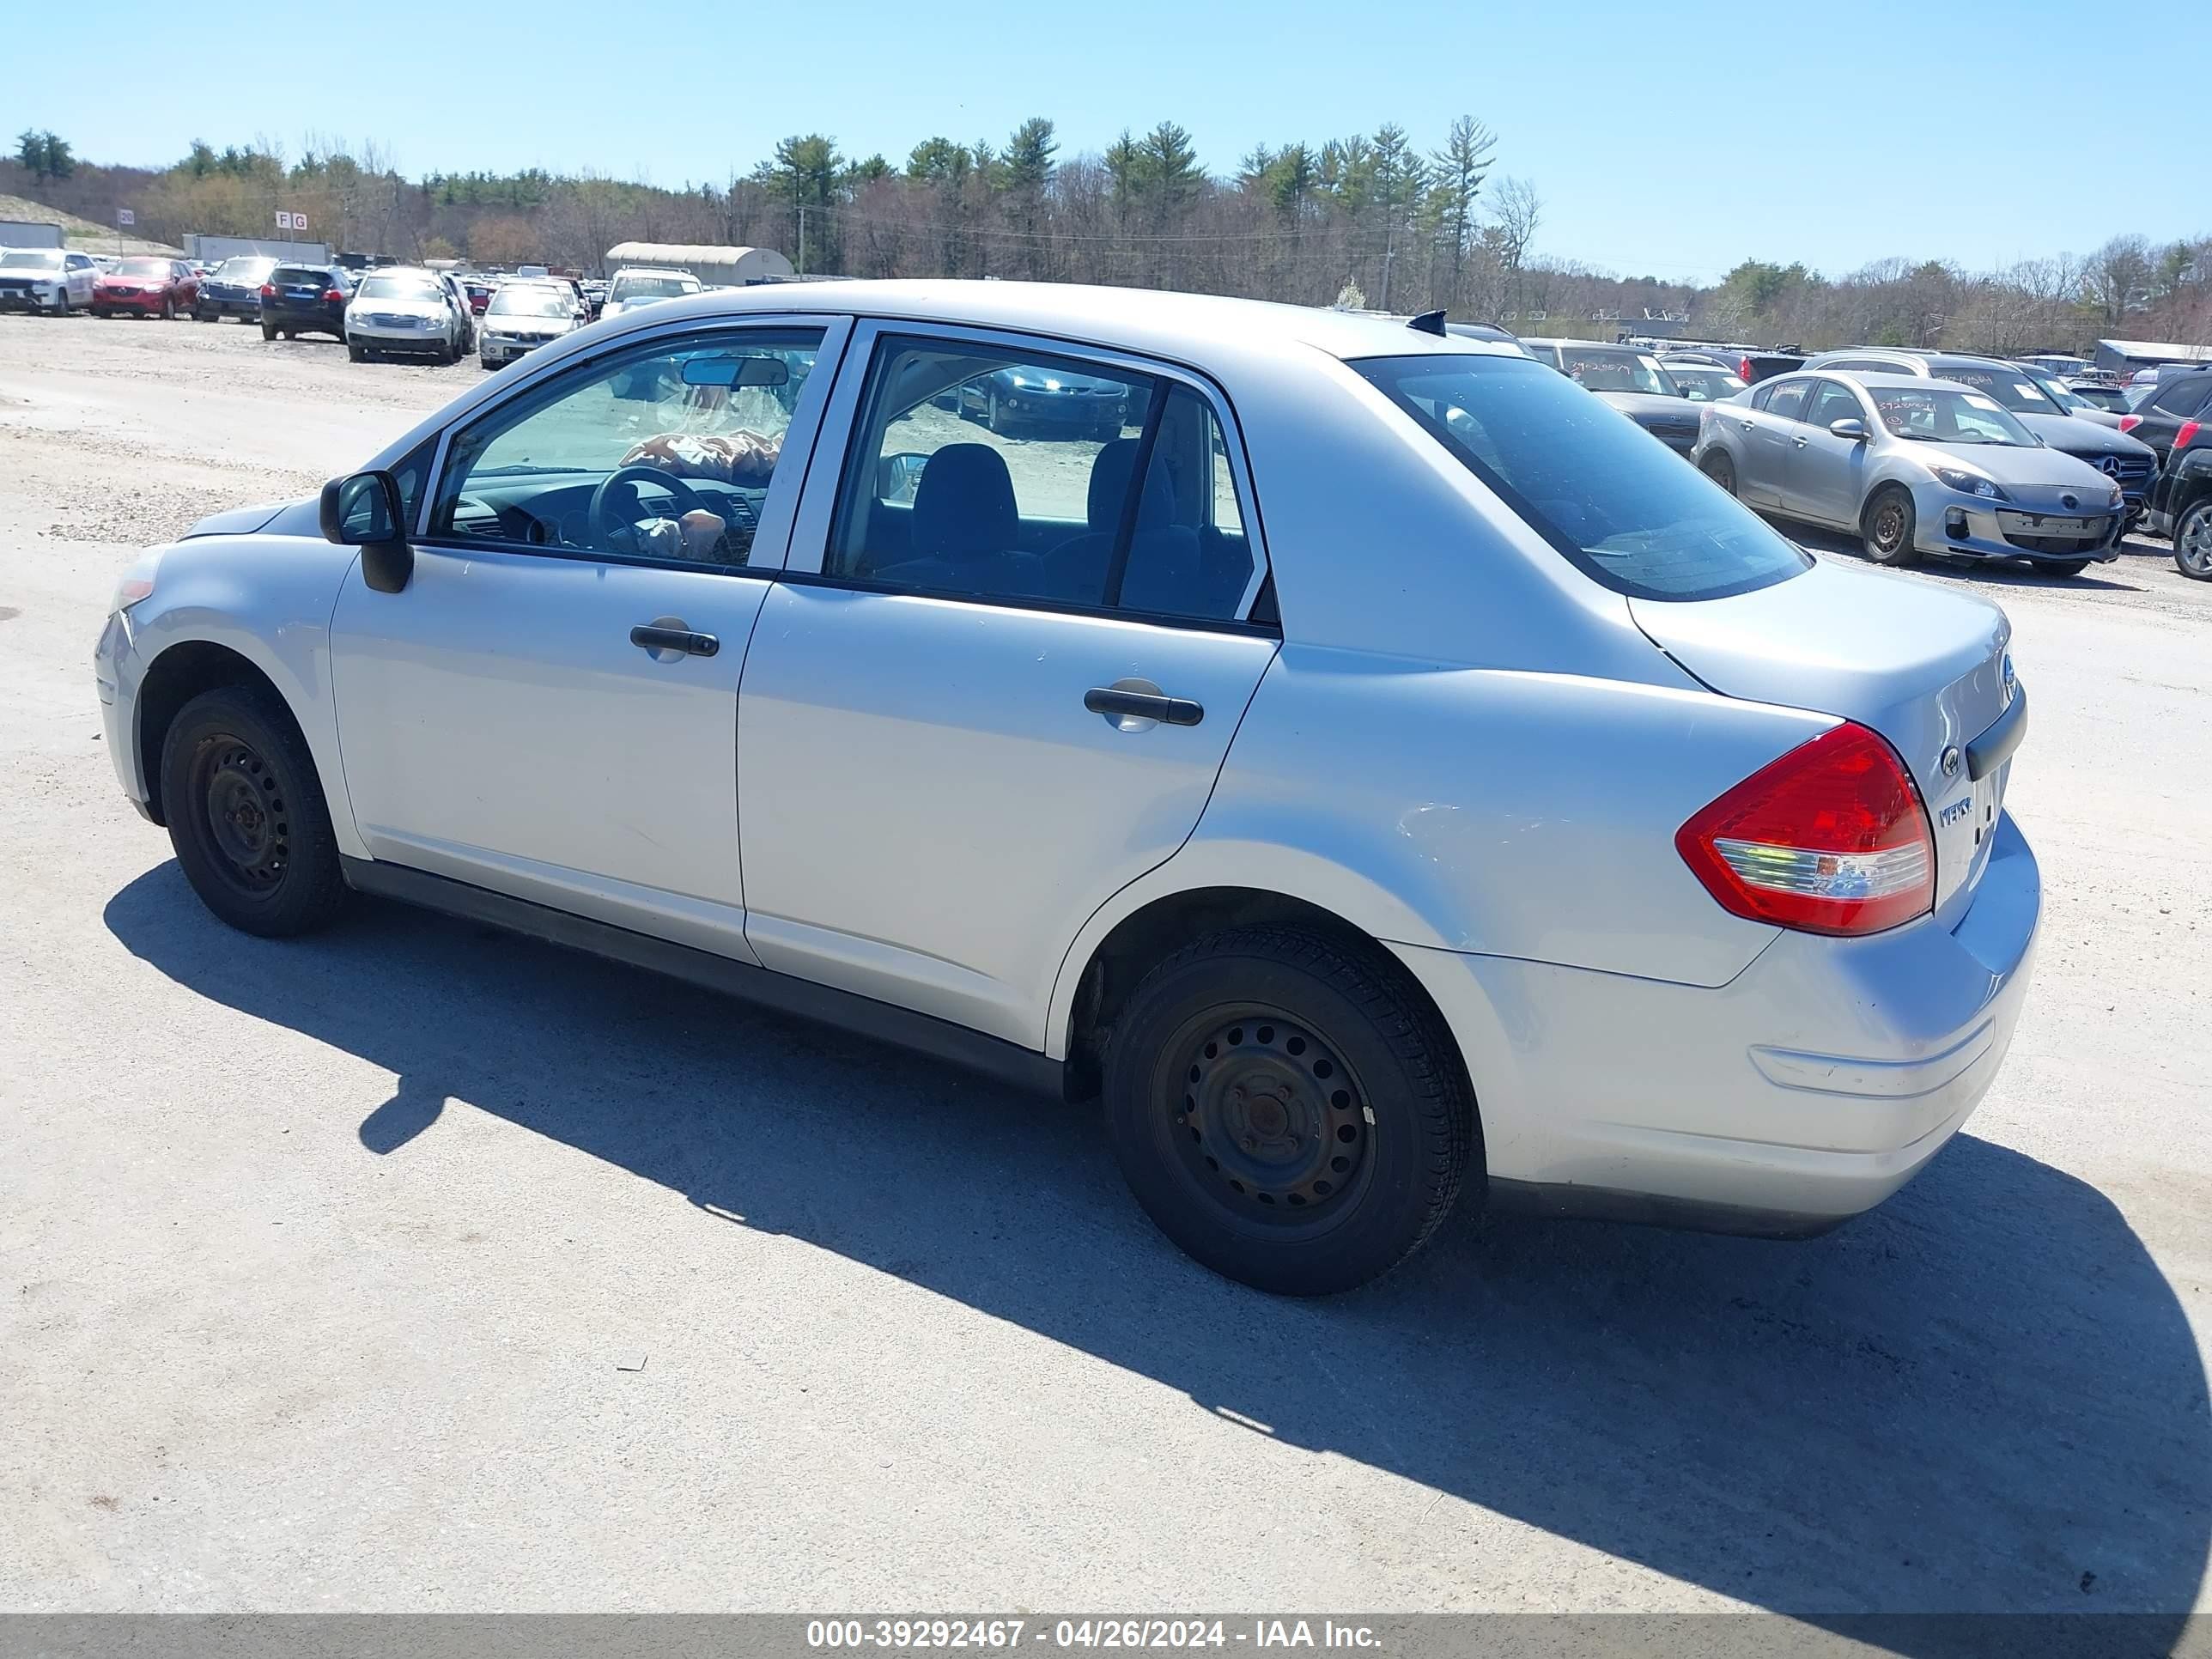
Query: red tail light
[2187, 434]
[2130, 423]
[268, 290]
[331, 296]
[1831, 838]
[1743, 371]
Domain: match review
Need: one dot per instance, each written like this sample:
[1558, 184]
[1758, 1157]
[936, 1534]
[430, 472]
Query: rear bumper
[1805, 1092]
[317, 321]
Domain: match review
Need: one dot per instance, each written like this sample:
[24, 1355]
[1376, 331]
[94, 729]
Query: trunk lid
[1926, 667]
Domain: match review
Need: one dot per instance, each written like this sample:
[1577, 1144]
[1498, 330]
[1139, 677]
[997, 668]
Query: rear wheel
[2192, 543]
[991, 418]
[246, 814]
[1887, 526]
[1286, 1111]
[1719, 467]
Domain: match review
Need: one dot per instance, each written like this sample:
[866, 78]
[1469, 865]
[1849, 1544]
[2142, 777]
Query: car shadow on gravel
[1984, 1397]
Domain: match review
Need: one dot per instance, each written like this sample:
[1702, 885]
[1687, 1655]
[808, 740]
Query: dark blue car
[1034, 397]
[233, 288]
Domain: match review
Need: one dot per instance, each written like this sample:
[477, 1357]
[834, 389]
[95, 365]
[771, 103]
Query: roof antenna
[1429, 322]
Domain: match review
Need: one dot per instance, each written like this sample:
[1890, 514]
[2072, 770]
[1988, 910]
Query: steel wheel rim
[245, 815]
[1265, 1122]
[1888, 526]
[2192, 543]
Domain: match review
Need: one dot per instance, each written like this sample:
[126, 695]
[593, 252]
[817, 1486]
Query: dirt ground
[412, 1267]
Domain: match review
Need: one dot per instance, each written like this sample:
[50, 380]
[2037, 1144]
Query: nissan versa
[1379, 771]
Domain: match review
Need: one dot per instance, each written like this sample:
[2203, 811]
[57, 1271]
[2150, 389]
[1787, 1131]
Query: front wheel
[268, 330]
[355, 353]
[1286, 1110]
[2192, 543]
[1887, 526]
[247, 815]
[1719, 467]
[168, 309]
[2062, 568]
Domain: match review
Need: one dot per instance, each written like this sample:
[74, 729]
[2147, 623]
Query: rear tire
[246, 814]
[1286, 1111]
[2192, 543]
[1719, 467]
[1887, 526]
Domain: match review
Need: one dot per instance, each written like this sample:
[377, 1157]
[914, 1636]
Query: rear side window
[2184, 397]
[1625, 511]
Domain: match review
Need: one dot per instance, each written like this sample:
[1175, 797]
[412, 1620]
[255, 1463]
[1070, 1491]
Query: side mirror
[363, 510]
[1855, 430]
[898, 476]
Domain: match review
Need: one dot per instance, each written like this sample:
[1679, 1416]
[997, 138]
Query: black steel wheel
[1887, 526]
[247, 815]
[1287, 1110]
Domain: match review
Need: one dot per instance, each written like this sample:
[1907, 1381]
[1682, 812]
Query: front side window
[1834, 402]
[665, 453]
[1623, 510]
[1943, 414]
[979, 473]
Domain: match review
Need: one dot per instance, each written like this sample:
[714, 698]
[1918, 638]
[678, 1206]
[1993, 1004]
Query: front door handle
[1169, 711]
[658, 637]
[1746, 425]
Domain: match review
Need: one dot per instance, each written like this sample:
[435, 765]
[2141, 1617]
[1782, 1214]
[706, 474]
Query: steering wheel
[606, 525]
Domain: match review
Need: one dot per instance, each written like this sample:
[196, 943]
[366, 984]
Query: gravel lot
[415, 1267]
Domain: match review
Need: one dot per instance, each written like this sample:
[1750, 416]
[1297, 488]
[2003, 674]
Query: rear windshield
[1625, 510]
[300, 276]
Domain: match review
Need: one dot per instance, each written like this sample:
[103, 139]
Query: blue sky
[1674, 139]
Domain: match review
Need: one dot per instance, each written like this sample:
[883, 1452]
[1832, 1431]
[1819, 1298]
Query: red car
[479, 295]
[147, 287]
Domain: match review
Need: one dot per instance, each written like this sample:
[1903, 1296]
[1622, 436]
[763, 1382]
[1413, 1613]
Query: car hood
[397, 307]
[1649, 405]
[2104, 417]
[2009, 464]
[2079, 437]
[239, 520]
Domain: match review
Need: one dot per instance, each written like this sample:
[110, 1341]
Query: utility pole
[801, 260]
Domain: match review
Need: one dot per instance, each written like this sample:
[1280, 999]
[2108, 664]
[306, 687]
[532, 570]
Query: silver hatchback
[1377, 771]
[1910, 465]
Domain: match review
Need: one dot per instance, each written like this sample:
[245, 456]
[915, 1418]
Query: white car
[641, 285]
[523, 316]
[397, 311]
[1380, 771]
[46, 279]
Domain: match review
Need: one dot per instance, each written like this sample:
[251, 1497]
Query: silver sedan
[1504, 816]
[1912, 465]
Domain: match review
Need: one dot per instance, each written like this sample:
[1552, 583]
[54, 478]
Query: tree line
[1375, 220]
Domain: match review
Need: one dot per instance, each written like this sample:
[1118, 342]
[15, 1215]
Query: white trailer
[715, 266]
[29, 232]
[214, 250]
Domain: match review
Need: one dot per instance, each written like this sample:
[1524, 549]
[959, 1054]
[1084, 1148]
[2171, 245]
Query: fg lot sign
[291, 220]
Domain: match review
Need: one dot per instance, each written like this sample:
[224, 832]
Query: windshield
[629, 287]
[1602, 370]
[245, 268]
[420, 288]
[1704, 386]
[1625, 510]
[2010, 386]
[529, 302]
[142, 268]
[31, 258]
[1945, 415]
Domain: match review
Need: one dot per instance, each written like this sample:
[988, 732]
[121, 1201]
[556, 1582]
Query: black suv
[2179, 401]
[2181, 501]
[306, 300]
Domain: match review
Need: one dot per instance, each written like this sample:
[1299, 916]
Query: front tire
[1286, 1111]
[2192, 543]
[2062, 568]
[247, 815]
[168, 309]
[1886, 527]
[355, 353]
[268, 330]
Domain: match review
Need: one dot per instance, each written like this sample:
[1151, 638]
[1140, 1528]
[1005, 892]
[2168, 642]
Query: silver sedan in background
[525, 315]
[1910, 465]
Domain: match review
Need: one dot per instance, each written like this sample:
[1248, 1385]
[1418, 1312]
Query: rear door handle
[653, 636]
[1800, 442]
[1169, 711]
